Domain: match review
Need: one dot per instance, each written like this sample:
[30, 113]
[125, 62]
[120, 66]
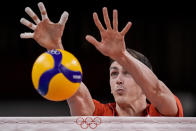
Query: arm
[81, 103]
[48, 35]
[155, 90]
[113, 45]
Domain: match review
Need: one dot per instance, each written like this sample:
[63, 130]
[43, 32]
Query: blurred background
[165, 32]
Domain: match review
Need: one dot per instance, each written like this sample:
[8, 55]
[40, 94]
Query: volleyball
[56, 74]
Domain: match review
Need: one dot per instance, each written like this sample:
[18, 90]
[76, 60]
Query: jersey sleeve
[152, 111]
[104, 109]
[99, 108]
[180, 109]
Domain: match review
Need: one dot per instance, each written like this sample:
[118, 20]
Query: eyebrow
[113, 67]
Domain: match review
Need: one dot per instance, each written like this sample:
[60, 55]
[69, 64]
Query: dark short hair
[139, 56]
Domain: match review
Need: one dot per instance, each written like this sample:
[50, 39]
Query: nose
[119, 80]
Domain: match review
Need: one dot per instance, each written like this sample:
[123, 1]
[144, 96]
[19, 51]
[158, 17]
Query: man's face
[123, 86]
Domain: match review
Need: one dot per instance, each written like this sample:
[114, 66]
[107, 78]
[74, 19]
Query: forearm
[81, 103]
[142, 75]
[155, 90]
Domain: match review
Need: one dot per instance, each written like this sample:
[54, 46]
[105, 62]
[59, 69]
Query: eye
[114, 73]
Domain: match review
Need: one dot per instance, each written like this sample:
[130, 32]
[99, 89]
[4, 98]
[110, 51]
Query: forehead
[115, 65]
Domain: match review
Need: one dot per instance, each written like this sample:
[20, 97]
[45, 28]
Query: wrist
[122, 57]
[60, 45]
[57, 45]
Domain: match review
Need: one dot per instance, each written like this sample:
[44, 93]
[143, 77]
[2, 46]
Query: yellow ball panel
[70, 61]
[61, 88]
[43, 63]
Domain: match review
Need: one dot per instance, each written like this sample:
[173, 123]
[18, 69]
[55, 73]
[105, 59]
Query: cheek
[130, 83]
[112, 84]
[134, 88]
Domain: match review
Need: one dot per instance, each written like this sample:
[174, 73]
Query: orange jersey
[109, 109]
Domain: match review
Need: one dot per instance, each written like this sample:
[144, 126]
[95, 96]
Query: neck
[134, 108]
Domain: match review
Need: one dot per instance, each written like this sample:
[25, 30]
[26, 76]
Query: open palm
[112, 42]
[46, 33]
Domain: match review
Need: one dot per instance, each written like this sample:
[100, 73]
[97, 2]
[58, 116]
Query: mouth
[120, 90]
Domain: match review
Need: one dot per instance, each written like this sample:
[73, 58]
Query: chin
[120, 98]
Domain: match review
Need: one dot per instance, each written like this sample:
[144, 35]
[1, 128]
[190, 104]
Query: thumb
[92, 40]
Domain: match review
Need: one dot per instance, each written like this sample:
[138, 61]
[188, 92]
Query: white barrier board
[86, 123]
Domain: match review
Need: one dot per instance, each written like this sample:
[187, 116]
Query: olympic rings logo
[55, 52]
[88, 122]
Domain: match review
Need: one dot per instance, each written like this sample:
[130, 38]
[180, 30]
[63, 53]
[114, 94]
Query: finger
[97, 22]
[64, 18]
[106, 18]
[115, 20]
[27, 23]
[126, 29]
[32, 15]
[26, 35]
[42, 10]
[92, 40]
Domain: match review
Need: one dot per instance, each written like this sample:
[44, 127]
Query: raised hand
[112, 41]
[46, 33]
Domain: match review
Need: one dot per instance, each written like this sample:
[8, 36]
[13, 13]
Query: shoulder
[101, 109]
